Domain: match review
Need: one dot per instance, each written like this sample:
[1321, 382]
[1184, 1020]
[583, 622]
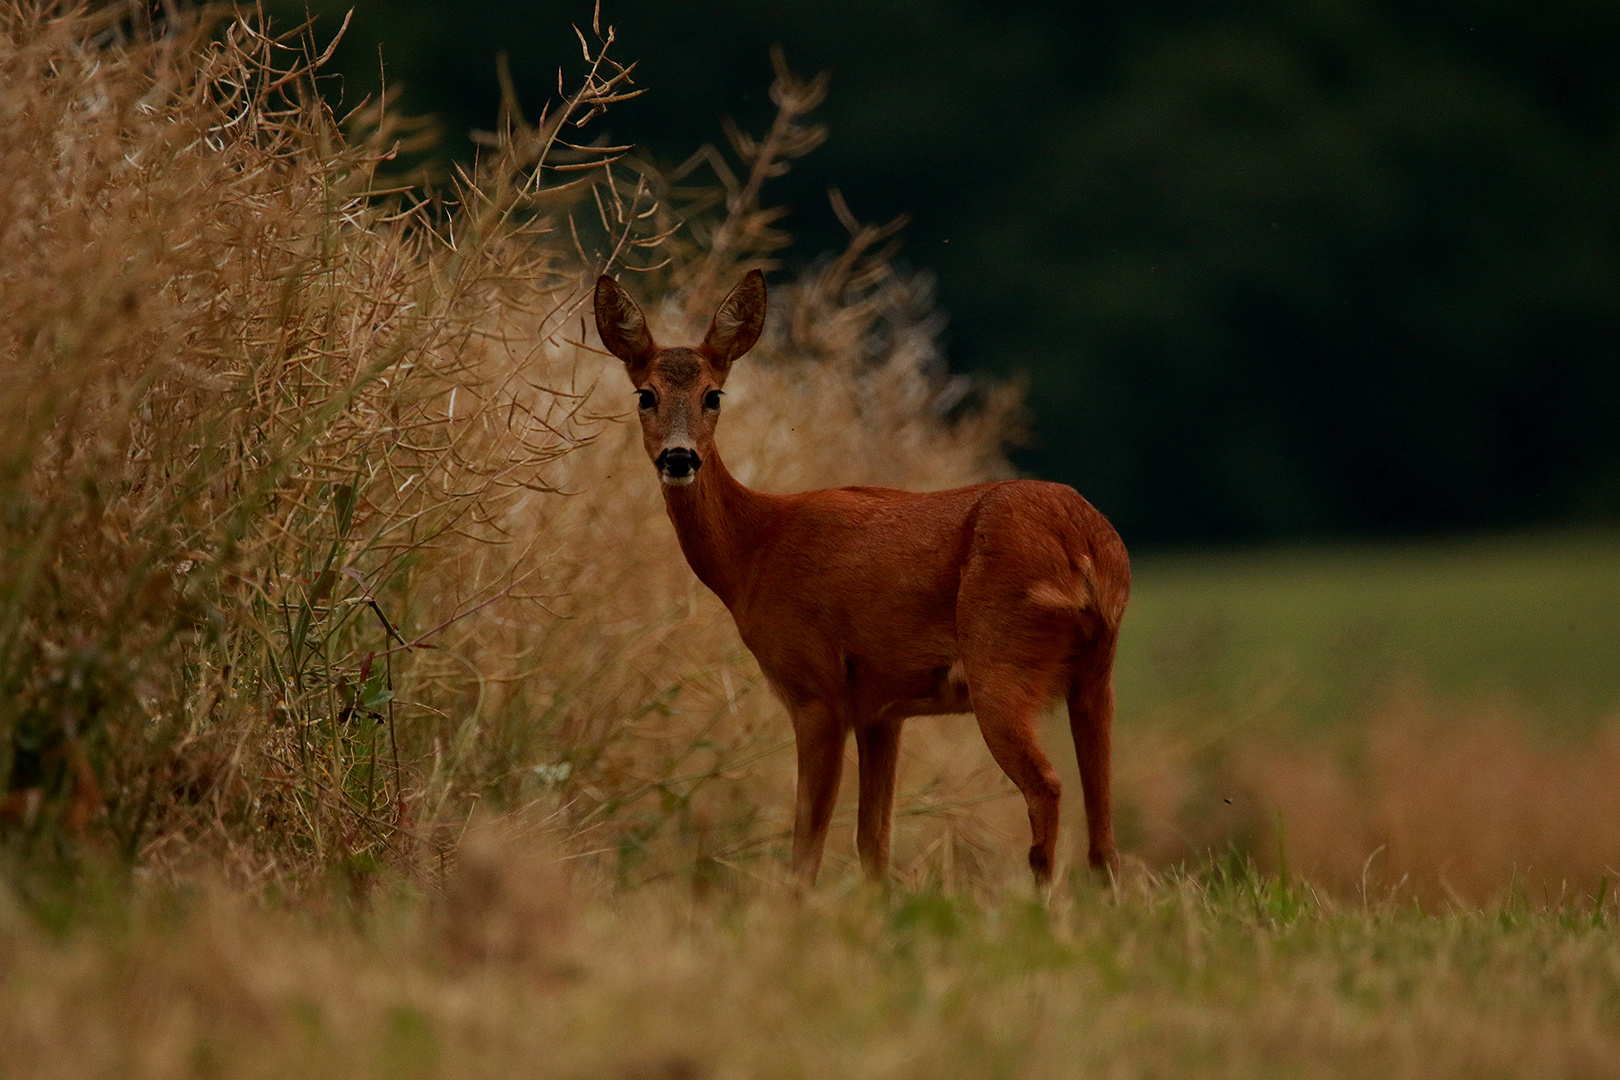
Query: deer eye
[646, 399]
[711, 401]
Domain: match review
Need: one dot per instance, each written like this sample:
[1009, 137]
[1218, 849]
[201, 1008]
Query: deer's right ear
[623, 328]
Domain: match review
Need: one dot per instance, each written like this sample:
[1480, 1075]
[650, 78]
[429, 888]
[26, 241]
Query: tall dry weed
[258, 412]
[1435, 799]
[323, 523]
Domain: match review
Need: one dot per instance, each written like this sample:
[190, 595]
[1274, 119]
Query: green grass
[1326, 633]
[1220, 973]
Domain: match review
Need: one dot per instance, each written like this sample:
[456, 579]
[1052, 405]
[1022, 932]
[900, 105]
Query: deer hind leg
[818, 732]
[1007, 706]
[878, 747]
[1091, 721]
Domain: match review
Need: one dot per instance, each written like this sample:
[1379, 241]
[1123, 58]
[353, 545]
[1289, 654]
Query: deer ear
[623, 328]
[737, 324]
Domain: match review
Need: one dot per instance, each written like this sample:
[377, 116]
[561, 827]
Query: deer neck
[719, 523]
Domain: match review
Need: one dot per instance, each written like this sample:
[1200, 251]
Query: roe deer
[867, 605]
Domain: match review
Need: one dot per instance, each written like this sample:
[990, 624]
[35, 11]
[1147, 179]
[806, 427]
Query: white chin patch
[677, 481]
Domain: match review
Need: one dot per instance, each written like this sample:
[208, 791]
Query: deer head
[678, 390]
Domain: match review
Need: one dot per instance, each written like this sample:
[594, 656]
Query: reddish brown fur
[865, 606]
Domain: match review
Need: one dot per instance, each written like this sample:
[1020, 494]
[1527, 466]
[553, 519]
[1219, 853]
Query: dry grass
[1223, 975]
[1427, 798]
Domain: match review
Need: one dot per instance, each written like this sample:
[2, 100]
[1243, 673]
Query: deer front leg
[819, 735]
[878, 751]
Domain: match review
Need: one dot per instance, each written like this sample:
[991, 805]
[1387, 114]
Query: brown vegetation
[302, 554]
[1428, 798]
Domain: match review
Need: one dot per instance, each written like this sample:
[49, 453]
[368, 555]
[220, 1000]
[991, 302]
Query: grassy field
[359, 715]
[1531, 622]
[1220, 974]
[1448, 710]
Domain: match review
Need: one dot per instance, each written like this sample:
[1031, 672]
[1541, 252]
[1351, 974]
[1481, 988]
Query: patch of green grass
[1218, 972]
[1323, 634]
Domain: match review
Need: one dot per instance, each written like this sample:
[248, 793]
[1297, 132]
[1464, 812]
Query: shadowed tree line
[1271, 269]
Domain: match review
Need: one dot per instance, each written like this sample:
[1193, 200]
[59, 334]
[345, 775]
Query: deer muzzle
[678, 466]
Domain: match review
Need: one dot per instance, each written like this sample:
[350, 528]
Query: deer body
[865, 606]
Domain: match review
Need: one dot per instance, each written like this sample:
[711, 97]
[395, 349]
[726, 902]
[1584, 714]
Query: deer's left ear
[737, 324]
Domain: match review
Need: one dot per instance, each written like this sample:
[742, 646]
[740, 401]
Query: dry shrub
[259, 413]
[322, 518]
[1431, 799]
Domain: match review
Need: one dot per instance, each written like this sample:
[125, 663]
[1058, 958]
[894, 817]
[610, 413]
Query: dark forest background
[1272, 269]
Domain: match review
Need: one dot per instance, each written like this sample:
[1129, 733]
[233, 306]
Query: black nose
[678, 461]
